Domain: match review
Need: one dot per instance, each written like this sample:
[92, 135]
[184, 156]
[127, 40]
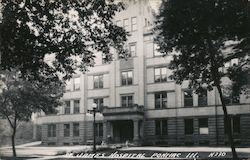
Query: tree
[19, 98]
[68, 30]
[206, 35]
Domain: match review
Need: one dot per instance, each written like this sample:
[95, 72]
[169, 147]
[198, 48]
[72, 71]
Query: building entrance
[123, 130]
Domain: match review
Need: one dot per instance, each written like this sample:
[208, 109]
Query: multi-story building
[137, 100]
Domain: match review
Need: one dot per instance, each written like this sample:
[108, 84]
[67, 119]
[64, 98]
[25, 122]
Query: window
[235, 124]
[67, 107]
[98, 81]
[99, 129]
[126, 24]
[161, 100]
[161, 127]
[231, 98]
[127, 78]
[133, 23]
[99, 103]
[76, 129]
[161, 74]
[76, 83]
[156, 52]
[202, 98]
[51, 130]
[127, 100]
[132, 49]
[189, 126]
[66, 130]
[76, 106]
[188, 98]
[68, 85]
[119, 23]
[203, 126]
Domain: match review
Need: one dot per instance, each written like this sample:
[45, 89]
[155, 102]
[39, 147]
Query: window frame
[163, 129]
[161, 75]
[51, 130]
[99, 129]
[233, 119]
[127, 82]
[76, 86]
[67, 108]
[188, 126]
[203, 126]
[133, 24]
[76, 130]
[203, 100]
[189, 99]
[100, 81]
[74, 107]
[132, 54]
[126, 26]
[66, 131]
[163, 100]
[127, 100]
[99, 105]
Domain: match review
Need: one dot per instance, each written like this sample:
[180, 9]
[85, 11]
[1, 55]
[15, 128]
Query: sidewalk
[34, 149]
[188, 149]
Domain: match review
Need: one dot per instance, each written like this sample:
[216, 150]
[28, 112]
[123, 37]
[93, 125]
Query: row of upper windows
[160, 99]
[132, 52]
[160, 75]
[129, 24]
[161, 126]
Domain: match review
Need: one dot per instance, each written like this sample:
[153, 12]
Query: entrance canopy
[123, 113]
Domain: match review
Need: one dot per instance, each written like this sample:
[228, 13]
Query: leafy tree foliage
[206, 35]
[69, 30]
[20, 98]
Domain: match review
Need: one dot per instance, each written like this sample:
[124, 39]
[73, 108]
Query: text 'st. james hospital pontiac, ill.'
[137, 102]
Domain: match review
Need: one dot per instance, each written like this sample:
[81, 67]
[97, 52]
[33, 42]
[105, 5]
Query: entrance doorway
[123, 130]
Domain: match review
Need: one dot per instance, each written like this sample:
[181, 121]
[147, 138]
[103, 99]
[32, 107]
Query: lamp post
[94, 106]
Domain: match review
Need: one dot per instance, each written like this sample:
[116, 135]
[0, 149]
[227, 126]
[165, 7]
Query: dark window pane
[202, 98]
[76, 129]
[157, 100]
[76, 106]
[236, 124]
[76, 83]
[163, 74]
[157, 127]
[164, 127]
[96, 81]
[67, 107]
[203, 122]
[100, 81]
[189, 127]
[164, 100]
[124, 101]
[130, 101]
[188, 98]
[66, 130]
[100, 130]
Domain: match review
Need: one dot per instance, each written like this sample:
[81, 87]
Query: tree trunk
[13, 141]
[227, 124]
